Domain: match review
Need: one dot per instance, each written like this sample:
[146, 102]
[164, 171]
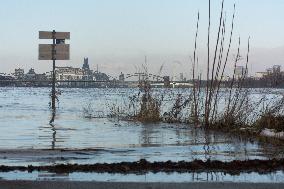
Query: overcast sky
[117, 34]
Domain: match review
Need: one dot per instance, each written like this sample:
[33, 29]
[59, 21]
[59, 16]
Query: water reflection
[42, 176]
[51, 123]
[275, 177]
[151, 136]
[53, 114]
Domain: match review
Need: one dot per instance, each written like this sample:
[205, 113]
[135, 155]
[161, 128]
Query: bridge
[145, 75]
[151, 78]
[83, 81]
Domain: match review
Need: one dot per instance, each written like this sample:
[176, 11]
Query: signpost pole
[53, 97]
[58, 50]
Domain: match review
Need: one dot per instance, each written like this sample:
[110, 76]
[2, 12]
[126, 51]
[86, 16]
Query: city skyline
[118, 34]
[86, 70]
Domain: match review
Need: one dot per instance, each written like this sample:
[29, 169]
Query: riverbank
[233, 167]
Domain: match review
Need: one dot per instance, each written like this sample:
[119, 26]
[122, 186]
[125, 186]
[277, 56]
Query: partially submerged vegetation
[270, 121]
[272, 116]
[150, 107]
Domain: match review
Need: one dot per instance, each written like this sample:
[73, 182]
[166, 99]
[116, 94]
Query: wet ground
[27, 138]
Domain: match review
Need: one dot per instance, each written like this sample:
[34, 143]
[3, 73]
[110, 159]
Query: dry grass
[206, 109]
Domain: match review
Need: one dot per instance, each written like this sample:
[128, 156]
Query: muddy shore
[233, 167]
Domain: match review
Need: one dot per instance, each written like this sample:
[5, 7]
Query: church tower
[86, 64]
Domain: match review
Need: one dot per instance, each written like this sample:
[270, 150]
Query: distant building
[241, 72]
[101, 76]
[69, 73]
[86, 64]
[121, 77]
[181, 78]
[41, 77]
[66, 74]
[31, 75]
[269, 71]
[4, 76]
[19, 73]
[48, 75]
[167, 83]
[276, 69]
[88, 74]
[260, 75]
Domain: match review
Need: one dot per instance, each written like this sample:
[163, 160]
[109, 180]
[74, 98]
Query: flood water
[25, 131]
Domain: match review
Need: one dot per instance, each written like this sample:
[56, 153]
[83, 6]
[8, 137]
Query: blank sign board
[62, 52]
[58, 35]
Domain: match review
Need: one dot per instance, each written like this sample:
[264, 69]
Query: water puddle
[276, 177]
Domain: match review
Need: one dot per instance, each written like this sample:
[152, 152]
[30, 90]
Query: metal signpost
[58, 50]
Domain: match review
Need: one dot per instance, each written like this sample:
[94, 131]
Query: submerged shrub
[149, 110]
[272, 116]
[150, 107]
[270, 121]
